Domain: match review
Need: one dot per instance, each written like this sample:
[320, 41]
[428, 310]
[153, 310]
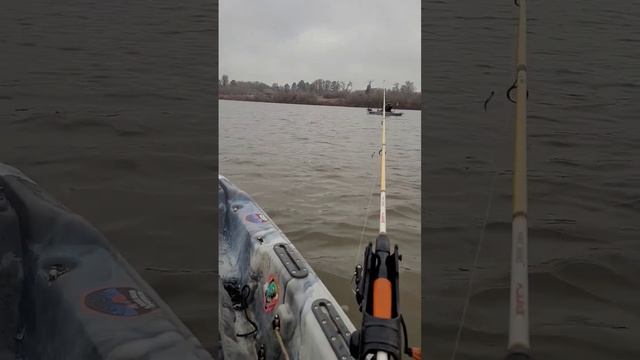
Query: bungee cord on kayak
[243, 305]
[276, 330]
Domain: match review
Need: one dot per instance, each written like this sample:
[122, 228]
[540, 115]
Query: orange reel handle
[382, 298]
[416, 353]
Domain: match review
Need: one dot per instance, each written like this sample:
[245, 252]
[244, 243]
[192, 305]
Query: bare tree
[335, 86]
[321, 91]
[408, 87]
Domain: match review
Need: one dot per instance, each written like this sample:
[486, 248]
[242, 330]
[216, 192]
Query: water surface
[109, 106]
[315, 171]
[584, 176]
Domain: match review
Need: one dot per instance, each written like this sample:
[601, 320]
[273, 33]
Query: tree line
[319, 92]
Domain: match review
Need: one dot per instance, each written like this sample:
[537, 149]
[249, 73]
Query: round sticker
[271, 293]
[256, 218]
[119, 301]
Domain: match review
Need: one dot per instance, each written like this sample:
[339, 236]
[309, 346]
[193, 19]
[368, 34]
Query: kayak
[67, 294]
[387, 113]
[273, 306]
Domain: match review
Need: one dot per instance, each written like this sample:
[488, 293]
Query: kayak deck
[67, 294]
[264, 277]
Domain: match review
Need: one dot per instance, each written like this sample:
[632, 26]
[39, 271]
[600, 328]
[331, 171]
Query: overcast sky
[345, 40]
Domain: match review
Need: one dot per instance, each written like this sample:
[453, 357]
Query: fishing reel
[377, 294]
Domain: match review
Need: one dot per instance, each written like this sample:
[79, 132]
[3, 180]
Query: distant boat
[379, 112]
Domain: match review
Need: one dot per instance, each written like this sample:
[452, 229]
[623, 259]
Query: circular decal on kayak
[256, 218]
[120, 301]
[271, 293]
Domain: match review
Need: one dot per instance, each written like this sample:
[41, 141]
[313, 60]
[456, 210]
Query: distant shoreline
[317, 101]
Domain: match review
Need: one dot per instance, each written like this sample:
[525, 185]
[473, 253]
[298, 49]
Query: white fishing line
[372, 179]
[476, 258]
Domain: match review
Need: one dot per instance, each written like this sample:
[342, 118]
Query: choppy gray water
[108, 106]
[584, 176]
[311, 168]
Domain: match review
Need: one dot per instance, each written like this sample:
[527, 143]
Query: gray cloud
[350, 40]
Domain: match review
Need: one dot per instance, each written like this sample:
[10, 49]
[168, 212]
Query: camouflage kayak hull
[265, 279]
[67, 294]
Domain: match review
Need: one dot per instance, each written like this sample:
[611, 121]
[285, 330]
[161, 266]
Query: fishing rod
[518, 346]
[377, 291]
